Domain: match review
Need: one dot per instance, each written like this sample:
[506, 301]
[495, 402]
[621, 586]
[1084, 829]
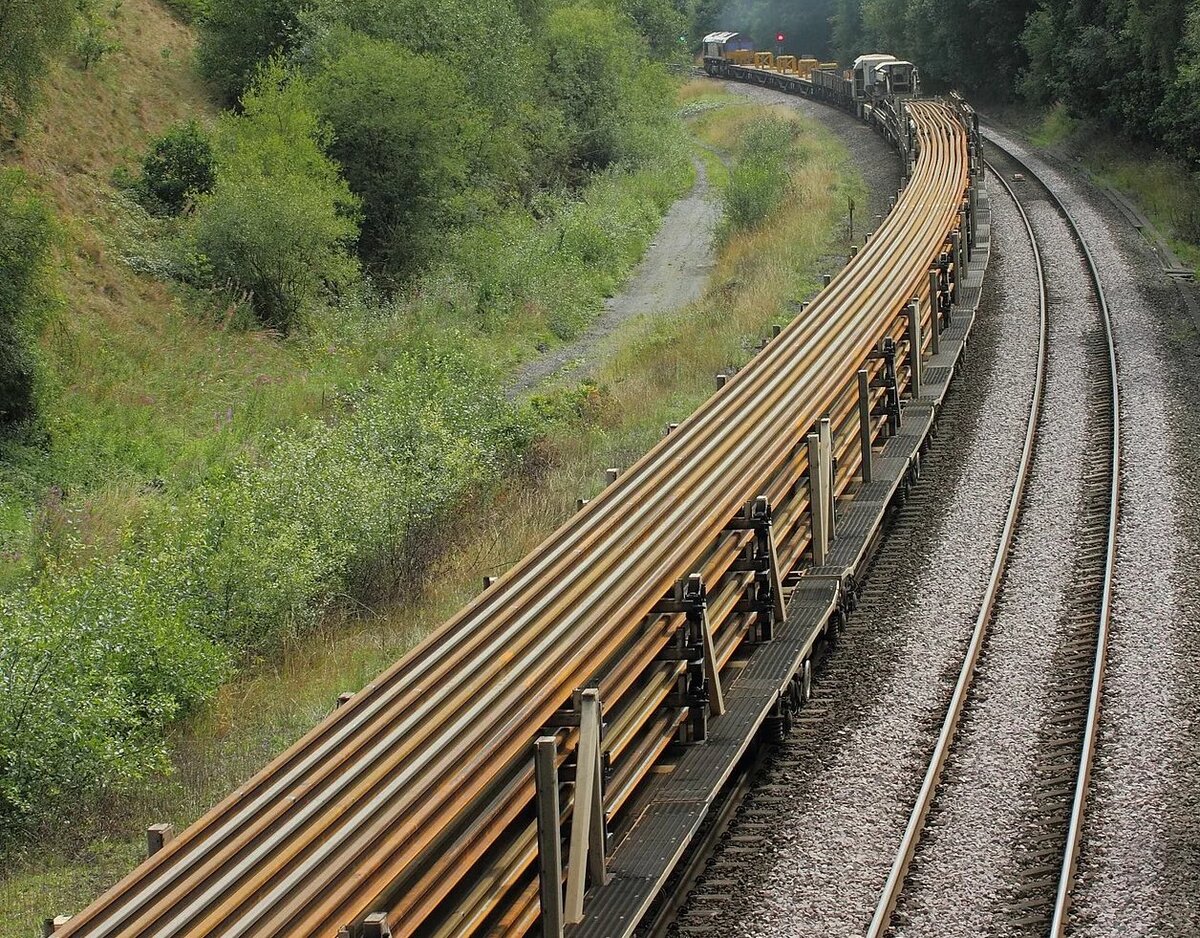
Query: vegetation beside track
[1160, 184]
[657, 372]
[224, 455]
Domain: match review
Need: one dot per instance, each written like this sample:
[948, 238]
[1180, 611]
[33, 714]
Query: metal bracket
[695, 599]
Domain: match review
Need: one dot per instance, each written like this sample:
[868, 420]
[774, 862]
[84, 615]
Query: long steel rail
[897, 875]
[414, 801]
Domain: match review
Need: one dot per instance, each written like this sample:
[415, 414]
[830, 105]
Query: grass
[657, 371]
[1161, 185]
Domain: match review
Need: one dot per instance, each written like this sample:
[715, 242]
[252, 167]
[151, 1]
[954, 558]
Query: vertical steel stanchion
[864, 423]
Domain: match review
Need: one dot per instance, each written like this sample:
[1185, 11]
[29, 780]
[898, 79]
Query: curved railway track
[413, 805]
[1042, 897]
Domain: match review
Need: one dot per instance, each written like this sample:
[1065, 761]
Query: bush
[760, 178]
[25, 240]
[239, 36]
[96, 660]
[407, 137]
[279, 218]
[598, 75]
[179, 167]
[93, 39]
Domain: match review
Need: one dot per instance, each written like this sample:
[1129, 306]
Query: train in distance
[874, 77]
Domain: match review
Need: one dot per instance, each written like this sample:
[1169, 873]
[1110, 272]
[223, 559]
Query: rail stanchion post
[955, 252]
[762, 557]
[376, 925]
[891, 403]
[915, 341]
[52, 926]
[695, 601]
[825, 431]
[864, 423]
[964, 226]
[549, 836]
[589, 839]
[816, 501]
[935, 309]
[157, 837]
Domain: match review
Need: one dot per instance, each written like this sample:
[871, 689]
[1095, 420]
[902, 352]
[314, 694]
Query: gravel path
[673, 273]
[852, 766]
[964, 867]
[1140, 873]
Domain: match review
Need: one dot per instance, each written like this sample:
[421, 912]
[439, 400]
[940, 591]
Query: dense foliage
[759, 179]
[280, 218]
[97, 660]
[179, 166]
[1133, 65]
[25, 237]
[416, 186]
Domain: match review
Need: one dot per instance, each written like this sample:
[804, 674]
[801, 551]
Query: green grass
[657, 372]
[1162, 186]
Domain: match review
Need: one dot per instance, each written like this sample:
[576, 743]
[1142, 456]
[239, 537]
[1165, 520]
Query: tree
[25, 239]
[31, 31]
[406, 135]
[238, 36]
[179, 166]
[280, 217]
[596, 73]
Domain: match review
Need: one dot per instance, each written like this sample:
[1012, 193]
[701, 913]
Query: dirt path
[673, 273]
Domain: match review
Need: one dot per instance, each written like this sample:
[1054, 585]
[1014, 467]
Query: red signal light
[779, 37]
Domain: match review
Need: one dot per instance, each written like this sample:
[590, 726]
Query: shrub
[239, 36]
[179, 167]
[25, 241]
[279, 218]
[93, 35]
[597, 74]
[759, 180]
[96, 660]
[406, 136]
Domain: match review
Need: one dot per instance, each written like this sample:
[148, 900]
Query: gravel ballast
[964, 869]
[851, 769]
[1140, 869]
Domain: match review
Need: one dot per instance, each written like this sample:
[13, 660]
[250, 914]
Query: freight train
[874, 79]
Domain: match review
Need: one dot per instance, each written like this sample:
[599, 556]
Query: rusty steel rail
[416, 807]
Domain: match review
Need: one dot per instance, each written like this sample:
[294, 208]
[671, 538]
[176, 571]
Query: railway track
[1048, 856]
[436, 801]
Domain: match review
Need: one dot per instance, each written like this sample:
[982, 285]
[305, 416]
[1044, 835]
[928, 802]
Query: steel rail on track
[897, 875]
[415, 799]
[1091, 730]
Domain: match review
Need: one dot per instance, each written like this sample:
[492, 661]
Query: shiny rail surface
[414, 804]
[1097, 597]
[1109, 517]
